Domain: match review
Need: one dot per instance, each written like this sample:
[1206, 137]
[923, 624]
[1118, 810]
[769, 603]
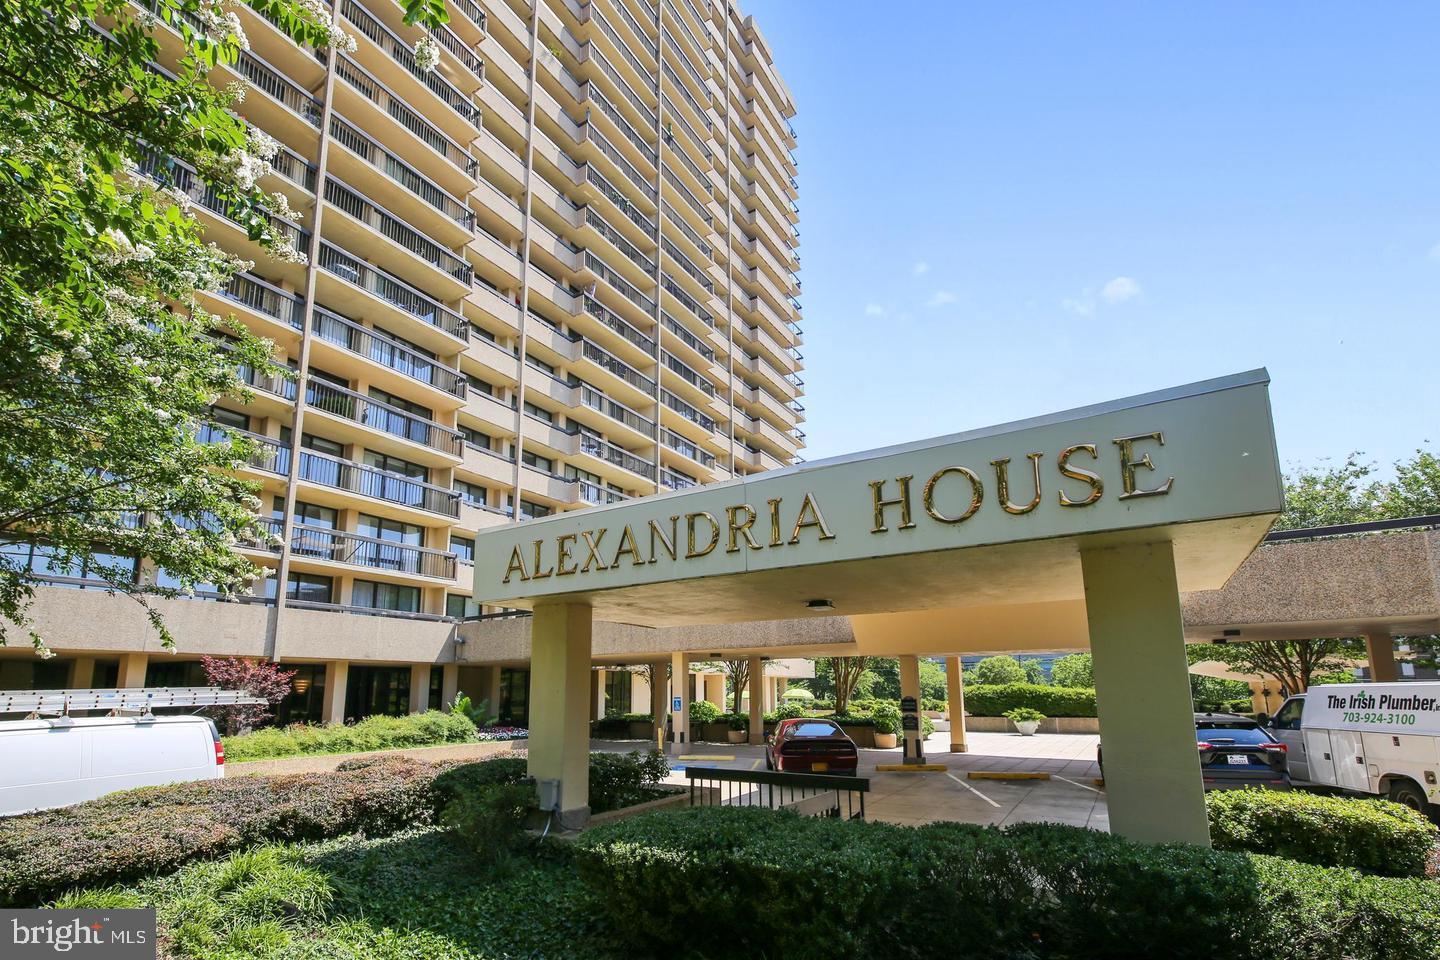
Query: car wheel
[1406, 793]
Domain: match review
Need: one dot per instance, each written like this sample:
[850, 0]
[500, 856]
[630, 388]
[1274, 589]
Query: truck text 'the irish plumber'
[951, 495]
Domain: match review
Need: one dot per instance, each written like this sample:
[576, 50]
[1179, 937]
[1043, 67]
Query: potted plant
[739, 725]
[1026, 720]
[887, 726]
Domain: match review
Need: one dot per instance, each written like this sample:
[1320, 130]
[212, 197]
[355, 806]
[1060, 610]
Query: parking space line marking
[755, 765]
[973, 790]
[1073, 783]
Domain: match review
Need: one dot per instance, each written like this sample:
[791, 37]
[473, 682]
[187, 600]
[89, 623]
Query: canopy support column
[757, 700]
[659, 702]
[559, 757]
[1142, 687]
[955, 703]
[1380, 647]
[914, 751]
[679, 702]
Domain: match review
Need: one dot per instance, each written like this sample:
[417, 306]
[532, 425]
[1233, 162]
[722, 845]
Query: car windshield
[1242, 735]
[813, 729]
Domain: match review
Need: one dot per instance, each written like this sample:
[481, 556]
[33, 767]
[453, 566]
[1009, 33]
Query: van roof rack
[140, 700]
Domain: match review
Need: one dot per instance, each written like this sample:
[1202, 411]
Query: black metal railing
[714, 786]
[1429, 521]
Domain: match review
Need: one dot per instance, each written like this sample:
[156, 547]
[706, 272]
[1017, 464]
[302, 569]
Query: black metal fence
[805, 793]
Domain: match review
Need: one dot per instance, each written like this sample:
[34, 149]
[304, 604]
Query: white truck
[1376, 738]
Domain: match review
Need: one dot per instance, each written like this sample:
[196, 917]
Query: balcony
[400, 52]
[686, 337]
[618, 324]
[608, 149]
[685, 448]
[337, 546]
[616, 456]
[269, 456]
[280, 87]
[592, 94]
[607, 190]
[392, 290]
[589, 218]
[365, 342]
[603, 270]
[391, 227]
[687, 411]
[402, 113]
[357, 408]
[401, 172]
[597, 495]
[255, 294]
[595, 400]
[597, 355]
[682, 370]
[377, 484]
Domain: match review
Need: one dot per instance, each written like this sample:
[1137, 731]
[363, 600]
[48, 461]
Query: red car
[810, 745]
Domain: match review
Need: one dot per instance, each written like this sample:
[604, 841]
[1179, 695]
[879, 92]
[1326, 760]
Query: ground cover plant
[427, 729]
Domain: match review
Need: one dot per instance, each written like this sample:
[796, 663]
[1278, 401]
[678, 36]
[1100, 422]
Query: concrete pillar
[659, 705]
[559, 701]
[449, 684]
[1142, 689]
[132, 669]
[955, 701]
[910, 687]
[337, 680]
[419, 687]
[679, 690]
[757, 695]
[82, 673]
[597, 693]
[1380, 648]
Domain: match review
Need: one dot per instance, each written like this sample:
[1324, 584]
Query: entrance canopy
[989, 518]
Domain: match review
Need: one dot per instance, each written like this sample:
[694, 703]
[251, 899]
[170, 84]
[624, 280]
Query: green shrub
[624, 779]
[1374, 836]
[993, 701]
[759, 883]
[1076, 670]
[491, 821]
[703, 711]
[852, 720]
[738, 721]
[372, 733]
[1024, 715]
[930, 703]
[135, 833]
[887, 718]
[999, 670]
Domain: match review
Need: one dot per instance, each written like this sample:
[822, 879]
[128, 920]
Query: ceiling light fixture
[820, 604]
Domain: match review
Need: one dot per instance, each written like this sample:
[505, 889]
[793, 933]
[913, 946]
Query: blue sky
[1012, 209]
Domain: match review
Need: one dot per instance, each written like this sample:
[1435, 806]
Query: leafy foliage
[1052, 701]
[111, 361]
[1020, 715]
[703, 711]
[427, 729]
[259, 678]
[1294, 663]
[1374, 836]
[997, 670]
[1075, 670]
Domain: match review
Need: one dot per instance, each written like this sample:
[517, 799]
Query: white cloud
[1120, 289]
[939, 298]
[874, 310]
[920, 269]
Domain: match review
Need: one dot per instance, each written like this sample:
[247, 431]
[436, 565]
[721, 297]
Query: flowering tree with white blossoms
[108, 362]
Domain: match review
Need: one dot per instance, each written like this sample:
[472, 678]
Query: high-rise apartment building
[556, 270]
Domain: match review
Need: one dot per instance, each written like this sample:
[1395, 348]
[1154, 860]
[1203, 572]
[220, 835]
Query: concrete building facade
[557, 270]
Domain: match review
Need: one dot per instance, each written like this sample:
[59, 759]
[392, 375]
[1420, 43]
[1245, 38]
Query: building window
[539, 413]
[41, 559]
[306, 587]
[471, 493]
[475, 438]
[543, 464]
[400, 403]
[377, 690]
[322, 445]
[229, 418]
[395, 531]
[383, 461]
[463, 548]
[514, 709]
[385, 596]
[617, 691]
[307, 513]
[528, 510]
[460, 607]
[479, 386]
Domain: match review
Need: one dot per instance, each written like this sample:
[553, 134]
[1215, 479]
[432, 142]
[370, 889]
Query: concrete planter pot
[886, 741]
[640, 731]
[737, 736]
[1027, 728]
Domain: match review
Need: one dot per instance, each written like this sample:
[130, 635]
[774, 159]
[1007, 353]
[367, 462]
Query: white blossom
[51, 362]
[261, 143]
[286, 253]
[245, 168]
[237, 32]
[427, 54]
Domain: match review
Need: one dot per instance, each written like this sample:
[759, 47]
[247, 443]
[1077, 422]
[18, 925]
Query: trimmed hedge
[137, 833]
[984, 700]
[1374, 836]
[758, 883]
[372, 733]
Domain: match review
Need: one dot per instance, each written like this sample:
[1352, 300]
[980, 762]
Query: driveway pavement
[1069, 796]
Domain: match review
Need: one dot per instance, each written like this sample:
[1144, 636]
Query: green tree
[1075, 670]
[1324, 496]
[1294, 663]
[1415, 491]
[1034, 671]
[1002, 669]
[110, 363]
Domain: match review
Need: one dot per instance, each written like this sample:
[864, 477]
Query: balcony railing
[622, 46]
[379, 484]
[393, 228]
[401, 172]
[476, 15]
[632, 252]
[688, 230]
[640, 181]
[684, 447]
[250, 291]
[686, 337]
[391, 290]
[321, 543]
[689, 197]
[593, 95]
[608, 190]
[602, 269]
[620, 457]
[601, 358]
[270, 455]
[596, 400]
[360, 340]
[686, 411]
[170, 171]
[359, 408]
[401, 53]
[614, 77]
[617, 323]
[683, 371]
[689, 302]
[593, 493]
[279, 86]
[675, 481]
[461, 51]
[380, 95]
[272, 383]
[295, 168]
[683, 262]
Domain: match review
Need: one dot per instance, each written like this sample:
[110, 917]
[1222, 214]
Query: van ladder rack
[131, 700]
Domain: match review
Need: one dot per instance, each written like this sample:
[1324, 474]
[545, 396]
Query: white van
[1375, 738]
[57, 761]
